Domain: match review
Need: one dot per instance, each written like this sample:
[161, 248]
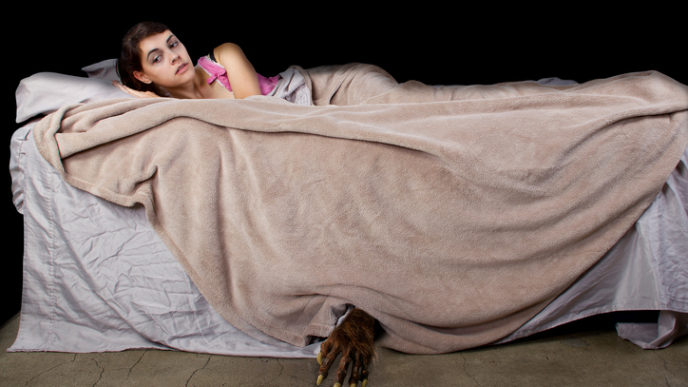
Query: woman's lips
[181, 69]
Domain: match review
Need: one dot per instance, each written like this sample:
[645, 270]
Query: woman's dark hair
[130, 58]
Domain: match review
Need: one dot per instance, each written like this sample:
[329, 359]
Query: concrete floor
[589, 354]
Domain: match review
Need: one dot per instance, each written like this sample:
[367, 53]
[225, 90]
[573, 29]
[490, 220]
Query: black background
[435, 43]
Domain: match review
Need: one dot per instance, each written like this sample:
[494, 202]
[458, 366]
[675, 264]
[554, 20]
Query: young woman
[153, 62]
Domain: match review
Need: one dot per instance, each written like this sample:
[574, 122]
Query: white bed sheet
[97, 277]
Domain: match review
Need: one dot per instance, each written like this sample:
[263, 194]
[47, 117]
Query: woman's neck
[194, 89]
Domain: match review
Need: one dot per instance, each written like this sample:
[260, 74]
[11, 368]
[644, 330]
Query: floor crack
[100, 375]
[281, 370]
[464, 366]
[198, 369]
[39, 374]
[135, 364]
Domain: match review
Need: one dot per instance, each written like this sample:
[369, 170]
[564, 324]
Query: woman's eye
[173, 44]
[156, 59]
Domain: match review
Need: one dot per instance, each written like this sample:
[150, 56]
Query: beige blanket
[451, 214]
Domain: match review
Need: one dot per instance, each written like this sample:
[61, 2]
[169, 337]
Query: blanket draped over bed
[452, 214]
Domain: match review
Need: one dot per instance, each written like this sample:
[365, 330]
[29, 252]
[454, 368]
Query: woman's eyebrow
[154, 50]
[151, 52]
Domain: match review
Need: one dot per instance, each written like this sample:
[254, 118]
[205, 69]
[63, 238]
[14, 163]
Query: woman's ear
[142, 77]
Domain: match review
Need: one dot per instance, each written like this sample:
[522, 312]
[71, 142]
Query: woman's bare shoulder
[227, 49]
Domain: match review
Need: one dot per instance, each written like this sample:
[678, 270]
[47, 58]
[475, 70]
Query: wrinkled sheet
[283, 215]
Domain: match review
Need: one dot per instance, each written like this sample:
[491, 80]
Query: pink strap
[216, 71]
[219, 73]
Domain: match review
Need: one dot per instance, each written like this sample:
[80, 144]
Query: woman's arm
[242, 76]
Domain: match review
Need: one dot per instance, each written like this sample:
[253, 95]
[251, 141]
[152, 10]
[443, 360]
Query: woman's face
[164, 61]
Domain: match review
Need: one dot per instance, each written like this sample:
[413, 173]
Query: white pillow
[106, 70]
[46, 92]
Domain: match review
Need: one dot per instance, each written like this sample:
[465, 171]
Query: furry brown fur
[354, 340]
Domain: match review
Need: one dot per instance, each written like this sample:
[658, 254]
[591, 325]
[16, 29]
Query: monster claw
[354, 340]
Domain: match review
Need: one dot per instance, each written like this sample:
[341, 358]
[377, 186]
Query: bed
[98, 277]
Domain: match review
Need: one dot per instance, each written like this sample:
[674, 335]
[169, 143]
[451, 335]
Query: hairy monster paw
[354, 339]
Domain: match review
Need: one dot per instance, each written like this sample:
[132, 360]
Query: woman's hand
[135, 93]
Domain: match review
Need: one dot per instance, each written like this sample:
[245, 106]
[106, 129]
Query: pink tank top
[218, 73]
